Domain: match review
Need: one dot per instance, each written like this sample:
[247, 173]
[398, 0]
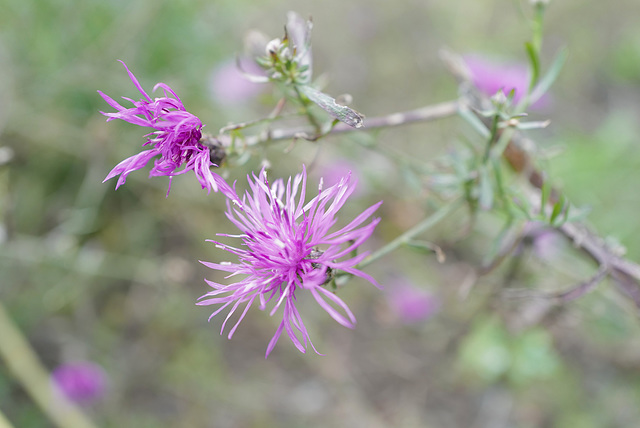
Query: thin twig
[423, 114]
[582, 288]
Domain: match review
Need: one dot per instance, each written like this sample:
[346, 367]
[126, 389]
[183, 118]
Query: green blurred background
[92, 274]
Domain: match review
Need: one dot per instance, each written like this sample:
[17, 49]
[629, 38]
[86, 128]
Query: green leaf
[426, 247]
[327, 103]
[485, 198]
[547, 80]
[475, 123]
[533, 125]
[544, 196]
[535, 63]
[558, 209]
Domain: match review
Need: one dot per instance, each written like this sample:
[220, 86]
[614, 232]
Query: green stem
[4, 422]
[492, 137]
[536, 38]
[423, 226]
[23, 362]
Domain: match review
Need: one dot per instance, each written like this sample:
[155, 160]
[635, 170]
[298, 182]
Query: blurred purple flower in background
[229, 85]
[490, 76]
[176, 138]
[546, 243]
[287, 247]
[410, 304]
[336, 168]
[81, 382]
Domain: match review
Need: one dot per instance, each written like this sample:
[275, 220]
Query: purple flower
[287, 248]
[491, 76]
[176, 138]
[81, 382]
[230, 85]
[333, 171]
[412, 305]
[546, 243]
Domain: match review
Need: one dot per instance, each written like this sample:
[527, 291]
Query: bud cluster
[283, 62]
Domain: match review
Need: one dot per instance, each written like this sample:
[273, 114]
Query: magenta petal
[129, 165]
[175, 140]
[287, 248]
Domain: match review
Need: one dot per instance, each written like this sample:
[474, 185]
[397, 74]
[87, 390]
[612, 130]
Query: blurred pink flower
[490, 76]
[81, 382]
[411, 304]
[332, 172]
[546, 242]
[229, 86]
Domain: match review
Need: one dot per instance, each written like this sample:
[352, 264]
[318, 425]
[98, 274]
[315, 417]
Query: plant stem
[27, 369]
[4, 422]
[423, 114]
[423, 226]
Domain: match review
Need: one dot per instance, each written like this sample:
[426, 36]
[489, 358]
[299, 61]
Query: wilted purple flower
[81, 382]
[410, 304]
[176, 138]
[491, 76]
[287, 248]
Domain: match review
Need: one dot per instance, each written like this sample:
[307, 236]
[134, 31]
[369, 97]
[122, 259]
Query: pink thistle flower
[287, 248]
[176, 138]
[411, 304]
[81, 382]
[230, 85]
[491, 76]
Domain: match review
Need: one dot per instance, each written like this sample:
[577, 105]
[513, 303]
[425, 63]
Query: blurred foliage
[89, 273]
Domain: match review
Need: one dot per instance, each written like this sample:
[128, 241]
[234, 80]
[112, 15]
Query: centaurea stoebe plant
[287, 247]
[176, 139]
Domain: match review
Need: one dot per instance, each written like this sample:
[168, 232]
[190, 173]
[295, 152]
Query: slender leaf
[550, 77]
[532, 52]
[485, 198]
[558, 208]
[329, 104]
[473, 120]
[544, 196]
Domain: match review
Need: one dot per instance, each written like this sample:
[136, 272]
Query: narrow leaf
[557, 209]
[535, 63]
[544, 197]
[550, 77]
[329, 104]
[486, 190]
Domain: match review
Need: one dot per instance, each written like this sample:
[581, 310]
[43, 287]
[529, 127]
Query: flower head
[229, 83]
[287, 247]
[411, 304]
[81, 382]
[176, 138]
[492, 76]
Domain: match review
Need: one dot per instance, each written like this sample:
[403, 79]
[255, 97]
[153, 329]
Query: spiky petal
[287, 248]
[175, 142]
